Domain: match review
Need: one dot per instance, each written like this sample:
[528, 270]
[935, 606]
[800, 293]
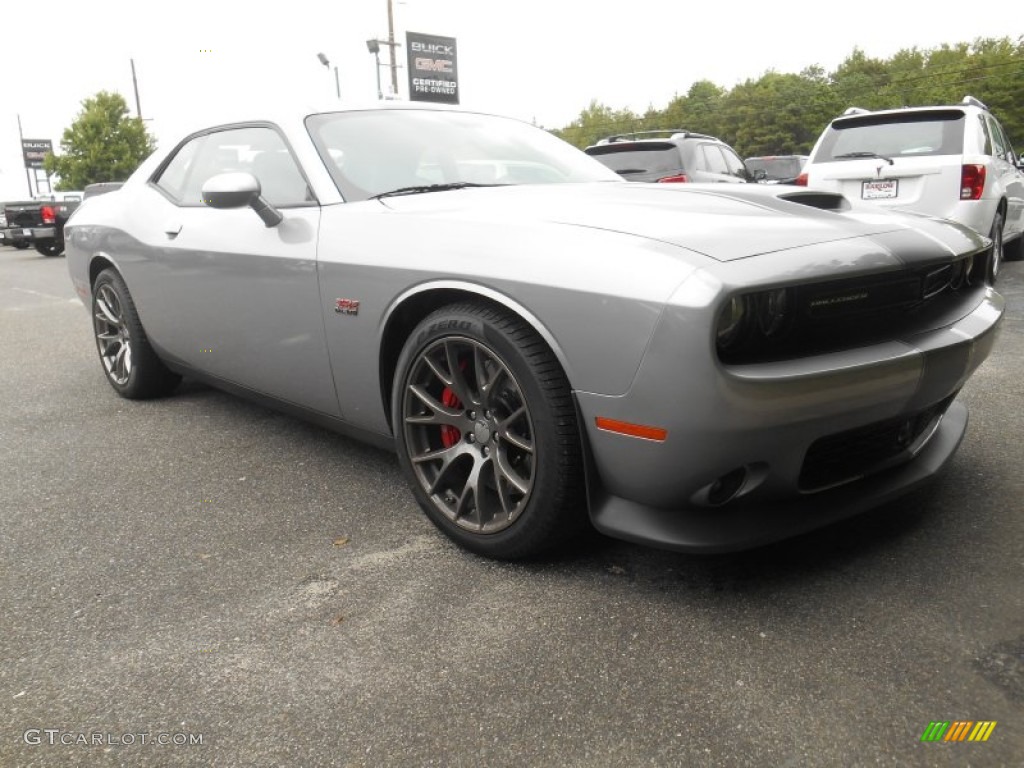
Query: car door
[737, 169]
[220, 291]
[1011, 180]
[716, 168]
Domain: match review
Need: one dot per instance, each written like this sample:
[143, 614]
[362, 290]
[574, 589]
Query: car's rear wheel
[997, 248]
[1014, 251]
[487, 432]
[129, 362]
[49, 247]
[21, 245]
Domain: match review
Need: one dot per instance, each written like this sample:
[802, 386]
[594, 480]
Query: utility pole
[21, 140]
[391, 47]
[135, 85]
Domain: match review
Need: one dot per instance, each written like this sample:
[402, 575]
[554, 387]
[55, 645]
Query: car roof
[968, 103]
[638, 137]
[289, 113]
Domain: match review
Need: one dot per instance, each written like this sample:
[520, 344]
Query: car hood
[721, 221]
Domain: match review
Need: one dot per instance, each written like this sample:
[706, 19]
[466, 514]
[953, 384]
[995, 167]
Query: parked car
[41, 221]
[776, 169]
[696, 367]
[670, 156]
[955, 162]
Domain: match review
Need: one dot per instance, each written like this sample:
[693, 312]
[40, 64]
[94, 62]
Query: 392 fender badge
[346, 306]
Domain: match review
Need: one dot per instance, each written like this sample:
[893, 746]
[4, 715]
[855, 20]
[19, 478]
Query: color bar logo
[959, 730]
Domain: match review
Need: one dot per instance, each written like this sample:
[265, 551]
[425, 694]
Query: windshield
[776, 168]
[894, 135]
[378, 151]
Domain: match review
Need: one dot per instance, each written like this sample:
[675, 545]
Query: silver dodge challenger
[547, 347]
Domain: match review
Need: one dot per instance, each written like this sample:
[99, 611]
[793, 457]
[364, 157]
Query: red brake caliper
[449, 435]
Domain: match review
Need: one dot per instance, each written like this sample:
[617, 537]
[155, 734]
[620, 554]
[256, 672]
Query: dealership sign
[35, 150]
[433, 73]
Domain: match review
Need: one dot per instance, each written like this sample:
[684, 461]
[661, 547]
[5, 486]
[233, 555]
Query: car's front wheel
[129, 362]
[487, 432]
[21, 245]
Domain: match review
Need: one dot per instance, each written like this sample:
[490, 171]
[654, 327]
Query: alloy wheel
[112, 335]
[469, 434]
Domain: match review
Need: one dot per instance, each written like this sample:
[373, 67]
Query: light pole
[373, 46]
[337, 81]
[391, 47]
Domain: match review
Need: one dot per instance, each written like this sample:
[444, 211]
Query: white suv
[952, 162]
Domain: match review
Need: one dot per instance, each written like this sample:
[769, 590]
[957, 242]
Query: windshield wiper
[633, 170]
[889, 160]
[417, 190]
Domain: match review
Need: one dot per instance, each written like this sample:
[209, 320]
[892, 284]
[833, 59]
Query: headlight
[773, 311]
[732, 322]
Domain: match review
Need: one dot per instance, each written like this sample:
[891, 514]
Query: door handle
[173, 229]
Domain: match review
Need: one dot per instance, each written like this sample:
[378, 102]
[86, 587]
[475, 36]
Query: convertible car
[703, 368]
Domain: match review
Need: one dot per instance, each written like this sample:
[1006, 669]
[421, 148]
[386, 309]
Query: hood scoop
[824, 201]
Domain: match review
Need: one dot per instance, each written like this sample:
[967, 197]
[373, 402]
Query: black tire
[996, 235]
[1014, 251]
[21, 245]
[49, 247]
[129, 362]
[502, 475]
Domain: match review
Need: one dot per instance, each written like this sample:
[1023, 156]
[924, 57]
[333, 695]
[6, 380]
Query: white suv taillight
[972, 182]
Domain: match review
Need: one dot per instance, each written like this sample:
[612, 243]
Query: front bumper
[766, 422]
[749, 523]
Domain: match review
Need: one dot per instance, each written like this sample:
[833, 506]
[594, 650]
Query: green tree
[782, 113]
[104, 143]
[596, 122]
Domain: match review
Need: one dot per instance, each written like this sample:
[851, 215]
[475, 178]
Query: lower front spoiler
[745, 525]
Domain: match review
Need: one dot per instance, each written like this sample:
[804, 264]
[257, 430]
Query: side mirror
[760, 174]
[238, 190]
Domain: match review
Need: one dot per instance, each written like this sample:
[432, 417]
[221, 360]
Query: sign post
[433, 68]
[34, 150]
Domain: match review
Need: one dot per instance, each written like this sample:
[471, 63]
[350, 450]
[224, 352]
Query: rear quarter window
[919, 134]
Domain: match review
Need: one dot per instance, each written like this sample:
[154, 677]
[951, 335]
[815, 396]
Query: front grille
[846, 456]
[834, 315]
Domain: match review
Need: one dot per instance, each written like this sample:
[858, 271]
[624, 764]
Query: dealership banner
[433, 73]
[35, 150]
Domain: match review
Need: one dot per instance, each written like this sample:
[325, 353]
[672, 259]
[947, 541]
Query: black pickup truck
[40, 222]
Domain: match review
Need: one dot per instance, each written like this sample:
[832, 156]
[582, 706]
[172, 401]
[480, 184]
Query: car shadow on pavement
[837, 547]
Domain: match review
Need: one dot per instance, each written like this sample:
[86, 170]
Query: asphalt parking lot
[200, 569]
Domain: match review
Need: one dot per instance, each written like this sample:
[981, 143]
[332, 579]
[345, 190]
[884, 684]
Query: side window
[987, 149]
[1007, 146]
[175, 175]
[713, 159]
[998, 142]
[736, 166]
[258, 150]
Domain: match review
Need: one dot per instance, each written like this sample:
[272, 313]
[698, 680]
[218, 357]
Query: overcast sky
[203, 62]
